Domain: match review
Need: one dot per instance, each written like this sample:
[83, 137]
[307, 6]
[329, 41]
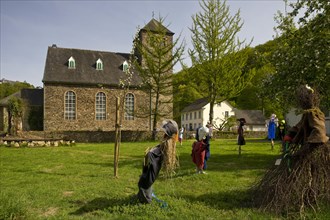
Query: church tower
[153, 26]
[155, 57]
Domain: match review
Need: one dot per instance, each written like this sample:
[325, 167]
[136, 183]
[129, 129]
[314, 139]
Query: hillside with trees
[298, 55]
[10, 87]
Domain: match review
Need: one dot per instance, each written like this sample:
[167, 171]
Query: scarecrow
[272, 129]
[240, 137]
[301, 178]
[163, 156]
[282, 129]
[200, 149]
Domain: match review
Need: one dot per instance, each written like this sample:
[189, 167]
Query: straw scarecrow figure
[199, 149]
[162, 157]
[301, 178]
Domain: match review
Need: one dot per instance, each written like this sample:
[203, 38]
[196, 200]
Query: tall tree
[258, 95]
[303, 50]
[218, 56]
[157, 54]
[184, 92]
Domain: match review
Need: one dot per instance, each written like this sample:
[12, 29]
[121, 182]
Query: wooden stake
[117, 138]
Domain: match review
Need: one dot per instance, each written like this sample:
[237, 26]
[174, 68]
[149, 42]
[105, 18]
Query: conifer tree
[218, 56]
[157, 53]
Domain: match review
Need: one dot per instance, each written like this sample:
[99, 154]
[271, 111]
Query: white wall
[255, 128]
[201, 117]
[292, 119]
[327, 122]
[327, 125]
[219, 112]
[192, 119]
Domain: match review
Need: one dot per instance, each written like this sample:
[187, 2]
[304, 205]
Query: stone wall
[229, 134]
[127, 136]
[93, 136]
[54, 100]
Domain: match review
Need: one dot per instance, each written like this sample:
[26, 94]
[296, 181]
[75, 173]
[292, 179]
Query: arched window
[129, 107]
[100, 106]
[125, 66]
[99, 64]
[71, 63]
[70, 106]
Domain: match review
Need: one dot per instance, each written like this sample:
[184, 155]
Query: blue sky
[29, 27]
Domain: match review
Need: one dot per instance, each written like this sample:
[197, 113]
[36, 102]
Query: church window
[100, 106]
[70, 106]
[129, 107]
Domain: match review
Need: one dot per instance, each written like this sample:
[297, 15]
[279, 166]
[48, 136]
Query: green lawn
[78, 183]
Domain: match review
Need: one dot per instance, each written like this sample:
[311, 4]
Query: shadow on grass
[236, 199]
[224, 200]
[231, 162]
[127, 161]
[103, 204]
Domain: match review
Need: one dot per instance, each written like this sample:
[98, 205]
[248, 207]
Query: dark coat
[240, 139]
[150, 171]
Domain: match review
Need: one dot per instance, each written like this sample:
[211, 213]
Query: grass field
[78, 183]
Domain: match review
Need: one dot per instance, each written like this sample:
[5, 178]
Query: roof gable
[34, 97]
[199, 104]
[251, 116]
[196, 105]
[155, 26]
[4, 101]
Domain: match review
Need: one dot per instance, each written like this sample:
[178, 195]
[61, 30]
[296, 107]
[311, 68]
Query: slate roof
[197, 105]
[154, 25]
[251, 116]
[57, 71]
[4, 101]
[34, 97]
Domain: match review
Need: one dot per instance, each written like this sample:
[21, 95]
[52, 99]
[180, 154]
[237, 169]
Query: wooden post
[117, 138]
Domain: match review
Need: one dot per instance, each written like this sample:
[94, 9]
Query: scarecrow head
[241, 121]
[307, 97]
[202, 133]
[170, 128]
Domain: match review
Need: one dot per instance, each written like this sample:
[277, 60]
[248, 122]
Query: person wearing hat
[199, 148]
[163, 156]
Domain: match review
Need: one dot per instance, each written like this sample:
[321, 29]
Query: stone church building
[80, 88]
